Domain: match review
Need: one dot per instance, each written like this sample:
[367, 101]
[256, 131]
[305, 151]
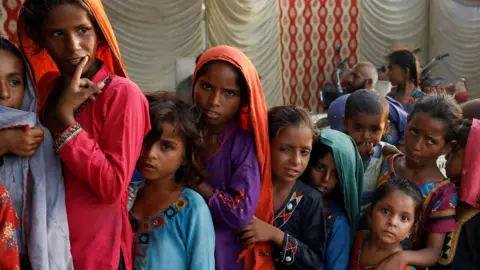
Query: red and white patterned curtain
[8, 18]
[310, 30]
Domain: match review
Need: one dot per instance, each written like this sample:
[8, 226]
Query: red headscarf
[470, 184]
[254, 119]
[44, 68]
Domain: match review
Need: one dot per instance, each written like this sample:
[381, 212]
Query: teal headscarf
[350, 170]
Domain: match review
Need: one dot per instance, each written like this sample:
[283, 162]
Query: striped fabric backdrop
[310, 30]
[8, 18]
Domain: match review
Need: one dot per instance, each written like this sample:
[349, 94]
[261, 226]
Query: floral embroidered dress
[9, 256]
[302, 220]
[181, 237]
[440, 202]
[234, 173]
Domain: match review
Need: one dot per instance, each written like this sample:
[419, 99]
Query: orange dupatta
[44, 68]
[256, 120]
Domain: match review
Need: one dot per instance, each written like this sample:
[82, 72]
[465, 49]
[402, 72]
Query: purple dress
[234, 173]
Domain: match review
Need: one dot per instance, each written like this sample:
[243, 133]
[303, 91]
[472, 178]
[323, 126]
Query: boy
[366, 120]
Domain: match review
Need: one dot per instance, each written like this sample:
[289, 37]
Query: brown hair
[282, 117]
[166, 107]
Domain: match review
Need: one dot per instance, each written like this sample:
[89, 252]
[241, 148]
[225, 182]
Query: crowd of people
[224, 182]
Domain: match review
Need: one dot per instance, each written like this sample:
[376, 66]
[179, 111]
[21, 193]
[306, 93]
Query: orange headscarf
[254, 119]
[45, 70]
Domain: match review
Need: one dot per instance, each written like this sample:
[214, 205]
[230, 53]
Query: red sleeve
[107, 164]
[9, 257]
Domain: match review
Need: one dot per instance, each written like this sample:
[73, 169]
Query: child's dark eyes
[385, 211]
[207, 86]
[57, 34]
[83, 30]
[305, 152]
[404, 219]
[167, 147]
[15, 82]
[230, 93]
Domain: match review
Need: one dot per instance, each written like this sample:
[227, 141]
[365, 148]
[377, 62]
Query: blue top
[181, 237]
[337, 255]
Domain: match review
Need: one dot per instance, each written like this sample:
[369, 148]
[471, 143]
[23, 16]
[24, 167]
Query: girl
[35, 183]
[336, 170]
[430, 133]
[394, 214]
[404, 74]
[9, 257]
[172, 224]
[461, 248]
[298, 231]
[99, 117]
[236, 153]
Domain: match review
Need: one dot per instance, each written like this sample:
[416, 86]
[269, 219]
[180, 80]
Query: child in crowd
[395, 213]
[34, 183]
[298, 231]
[461, 249]
[430, 132]
[235, 154]
[98, 116]
[366, 120]
[172, 224]
[336, 170]
[404, 73]
[9, 257]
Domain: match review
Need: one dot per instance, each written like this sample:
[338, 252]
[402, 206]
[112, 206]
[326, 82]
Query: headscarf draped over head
[350, 169]
[470, 184]
[253, 119]
[45, 230]
[44, 68]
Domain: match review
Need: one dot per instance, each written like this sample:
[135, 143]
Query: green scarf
[350, 170]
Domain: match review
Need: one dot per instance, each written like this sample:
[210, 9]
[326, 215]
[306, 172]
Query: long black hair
[406, 60]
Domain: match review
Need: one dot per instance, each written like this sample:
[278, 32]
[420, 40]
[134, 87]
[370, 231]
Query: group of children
[227, 184]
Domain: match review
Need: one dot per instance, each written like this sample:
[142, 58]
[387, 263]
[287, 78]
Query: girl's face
[396, 74]
[162, 158]
[425, 139]
[324, 175]
[12, 86]
[290, 152]
[454, 167]
[69, 35]
[218, 94]
[393, 217]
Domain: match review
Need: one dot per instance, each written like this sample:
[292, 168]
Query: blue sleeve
[200, 244]
[337, 256]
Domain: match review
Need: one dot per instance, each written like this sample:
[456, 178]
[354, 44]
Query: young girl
[99, 118]
[236, 153]
[430, 133]
[336, 170]
[172, 223]
[35, 183]
[404, 74]
[461, 249]
[9, 257]
[298, 231]
[394, 214]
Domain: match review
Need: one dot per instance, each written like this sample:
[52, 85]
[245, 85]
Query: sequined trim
[67, 136]
[81, 107]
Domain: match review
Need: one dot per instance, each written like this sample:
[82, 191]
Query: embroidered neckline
[288, 208]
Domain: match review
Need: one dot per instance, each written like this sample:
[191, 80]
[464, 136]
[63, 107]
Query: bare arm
[425, 257]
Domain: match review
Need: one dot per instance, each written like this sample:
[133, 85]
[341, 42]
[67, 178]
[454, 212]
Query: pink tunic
[99, 154]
